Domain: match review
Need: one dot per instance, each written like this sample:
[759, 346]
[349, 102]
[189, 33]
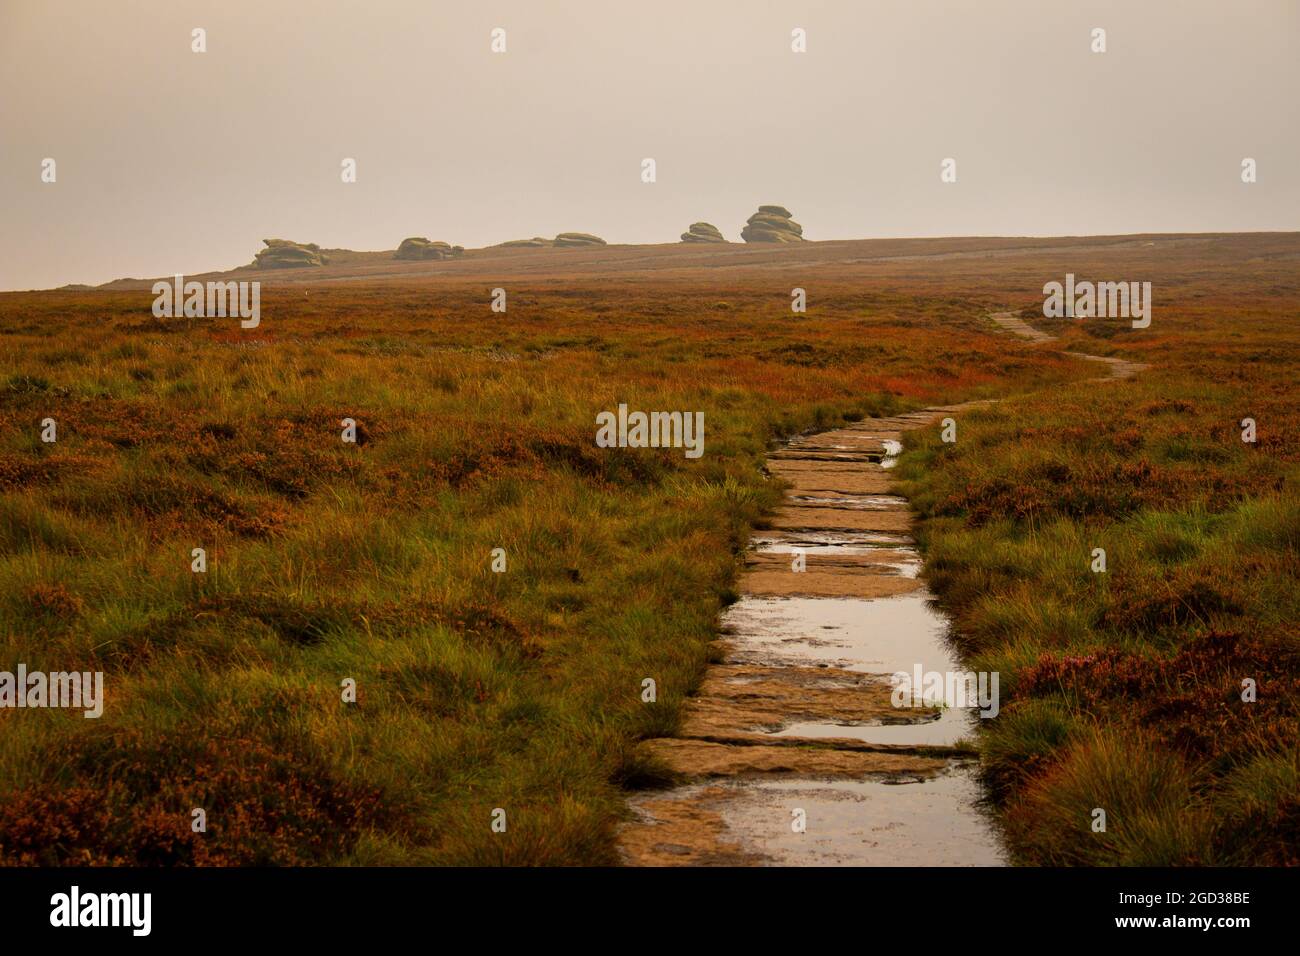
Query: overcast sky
[174, 161]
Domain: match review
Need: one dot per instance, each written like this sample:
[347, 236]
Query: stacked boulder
[418, 247]
[283, 254]
[772, 224]
[702, 232]
[566, 240]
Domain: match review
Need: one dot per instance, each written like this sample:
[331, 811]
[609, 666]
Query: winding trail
[796, 725]
[1119, 368]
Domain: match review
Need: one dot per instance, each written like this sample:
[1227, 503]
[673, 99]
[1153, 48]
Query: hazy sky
[173, 161]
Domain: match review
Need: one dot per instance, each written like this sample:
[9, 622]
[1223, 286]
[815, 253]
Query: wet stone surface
[792, 752]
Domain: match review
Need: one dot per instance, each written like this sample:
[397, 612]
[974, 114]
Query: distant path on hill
[793, 751]
[1119, 368]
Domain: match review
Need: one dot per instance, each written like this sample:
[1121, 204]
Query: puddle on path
[946, 728]
[866, 822]
[878, 636]
[843, 542]
[852, 502]
[900, 821]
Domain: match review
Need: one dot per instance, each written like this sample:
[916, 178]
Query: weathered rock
[288, 244]
[702, 232]
[571, 239]
[283, 254]
[417, 247]
[563, 240]
[772, 224]
[767, 234]
[770, 221]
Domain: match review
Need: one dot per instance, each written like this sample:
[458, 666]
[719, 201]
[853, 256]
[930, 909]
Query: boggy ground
[523, 690]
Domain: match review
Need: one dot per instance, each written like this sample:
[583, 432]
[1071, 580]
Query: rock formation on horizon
[283, 254]
[564, 240]
[772, 224]
[702, 232]
[572, 239]
[418, 247]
